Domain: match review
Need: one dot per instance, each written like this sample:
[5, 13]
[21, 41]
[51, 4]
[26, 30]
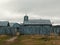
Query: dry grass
[39, 40]
[35, 40]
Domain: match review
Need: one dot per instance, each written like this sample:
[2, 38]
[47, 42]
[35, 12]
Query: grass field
[31, 40]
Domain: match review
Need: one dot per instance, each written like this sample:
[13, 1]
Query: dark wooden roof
[4, 23]
[38, 21]
[16, 25]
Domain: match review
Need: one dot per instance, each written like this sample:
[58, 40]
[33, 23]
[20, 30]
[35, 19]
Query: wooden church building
[36, 26]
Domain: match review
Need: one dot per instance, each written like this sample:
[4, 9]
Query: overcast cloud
[14, 10]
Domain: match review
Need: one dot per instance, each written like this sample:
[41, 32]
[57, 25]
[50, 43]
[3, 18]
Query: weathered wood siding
[27, 29]
[56, 30]
[8, 30]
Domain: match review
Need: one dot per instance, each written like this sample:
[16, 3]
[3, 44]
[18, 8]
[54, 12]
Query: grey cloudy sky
[14, 10]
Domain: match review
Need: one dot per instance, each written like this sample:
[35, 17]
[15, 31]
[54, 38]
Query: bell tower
[25, 18]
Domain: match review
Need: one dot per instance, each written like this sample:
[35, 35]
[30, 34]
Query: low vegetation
[31, 40]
